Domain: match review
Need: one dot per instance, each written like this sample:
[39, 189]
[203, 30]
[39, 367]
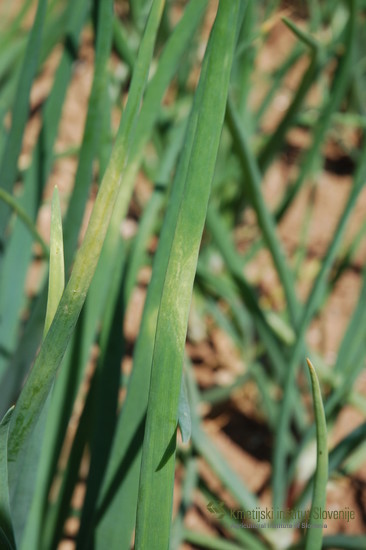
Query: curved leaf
[314, 535]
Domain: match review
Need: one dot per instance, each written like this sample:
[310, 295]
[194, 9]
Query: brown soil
[236, 428]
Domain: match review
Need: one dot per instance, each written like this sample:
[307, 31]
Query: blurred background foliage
[280, 274]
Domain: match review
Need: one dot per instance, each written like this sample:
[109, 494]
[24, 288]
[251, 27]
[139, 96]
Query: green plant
[205, 153]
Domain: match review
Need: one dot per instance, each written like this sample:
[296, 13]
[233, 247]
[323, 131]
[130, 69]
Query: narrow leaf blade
[314, 536]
